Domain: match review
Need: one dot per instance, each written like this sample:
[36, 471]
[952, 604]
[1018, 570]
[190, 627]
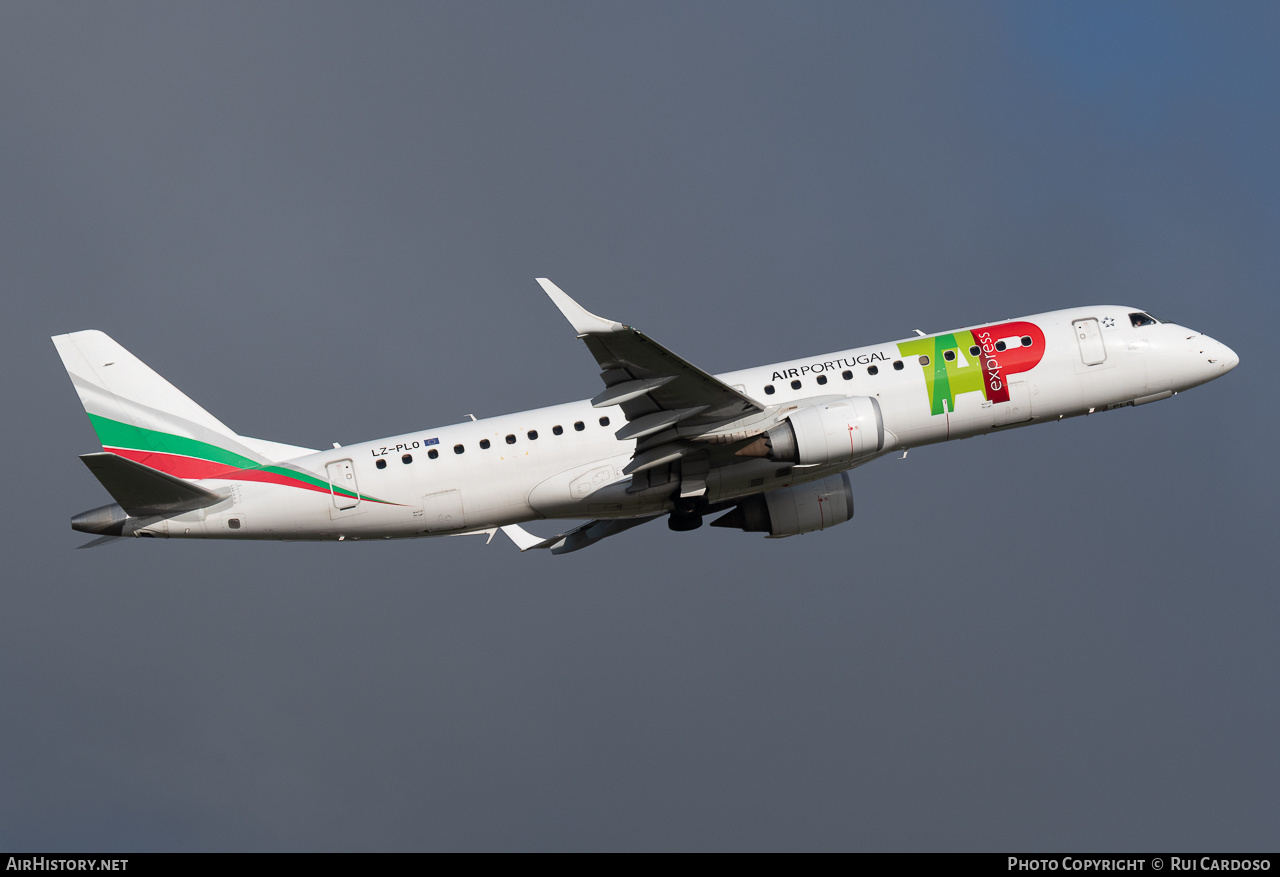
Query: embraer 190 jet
[769, 447]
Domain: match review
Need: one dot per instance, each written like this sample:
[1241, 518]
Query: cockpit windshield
[1141, 319]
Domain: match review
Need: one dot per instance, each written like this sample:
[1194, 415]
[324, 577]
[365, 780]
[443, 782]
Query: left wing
[576, 539]
[665, 398]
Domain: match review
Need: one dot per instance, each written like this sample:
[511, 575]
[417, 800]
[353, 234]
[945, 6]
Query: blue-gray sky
[323, 221]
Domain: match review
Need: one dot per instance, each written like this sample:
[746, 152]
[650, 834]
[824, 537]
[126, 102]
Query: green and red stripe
[191, 458]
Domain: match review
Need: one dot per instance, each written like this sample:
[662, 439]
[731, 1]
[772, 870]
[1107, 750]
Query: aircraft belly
[596, 489]
[1105, 388]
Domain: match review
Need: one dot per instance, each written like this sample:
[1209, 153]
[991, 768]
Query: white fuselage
[565, 462]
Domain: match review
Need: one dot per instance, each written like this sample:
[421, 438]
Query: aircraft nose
[1232, 358]
[1201, 359]
[1222, 356]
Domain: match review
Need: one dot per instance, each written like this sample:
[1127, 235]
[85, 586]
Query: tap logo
[977, 361]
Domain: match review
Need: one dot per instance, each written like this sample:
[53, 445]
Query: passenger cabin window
[557, 430]
[381, 464]
[458, 449]
[795, 385]
[579, 426]
[484, 444]
[822, 379]
[1025, 340]
[533, 435]
[407, 459]
[768, 389]
[924, 360]
[433, 453]
[511, 439]
[897, 365]
[999, 345]
[1141, 319]
[949, 355]
[604, 421]
[847, 375]
[975, 350]
[873, 370]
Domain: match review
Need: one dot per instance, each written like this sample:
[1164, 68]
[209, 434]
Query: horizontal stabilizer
[141, 490]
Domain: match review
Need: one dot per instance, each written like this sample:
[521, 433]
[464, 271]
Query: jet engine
[794, 510]
[843, 431]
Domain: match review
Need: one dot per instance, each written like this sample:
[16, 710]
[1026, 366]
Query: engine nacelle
[794, 510]
[843, 431]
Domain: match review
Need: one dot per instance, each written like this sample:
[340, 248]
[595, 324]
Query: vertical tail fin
[140, 416]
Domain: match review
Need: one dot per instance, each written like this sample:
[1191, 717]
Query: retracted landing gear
[687, 514]
[684, 523]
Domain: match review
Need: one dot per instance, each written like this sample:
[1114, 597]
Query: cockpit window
[1141, 319]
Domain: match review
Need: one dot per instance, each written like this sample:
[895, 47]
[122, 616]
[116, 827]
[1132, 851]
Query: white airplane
[771, 446]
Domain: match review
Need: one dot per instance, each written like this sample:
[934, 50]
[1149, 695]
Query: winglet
[583, 321]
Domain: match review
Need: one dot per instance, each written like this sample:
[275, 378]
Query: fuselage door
[442, 511]
[1018, 408]
[1092, 350]
[342, 484]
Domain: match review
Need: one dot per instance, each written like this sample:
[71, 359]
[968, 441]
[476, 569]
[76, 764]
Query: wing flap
[649, 424]
[628, 390]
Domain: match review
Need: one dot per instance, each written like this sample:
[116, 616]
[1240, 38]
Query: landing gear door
[1092, 350]
[342, 484]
